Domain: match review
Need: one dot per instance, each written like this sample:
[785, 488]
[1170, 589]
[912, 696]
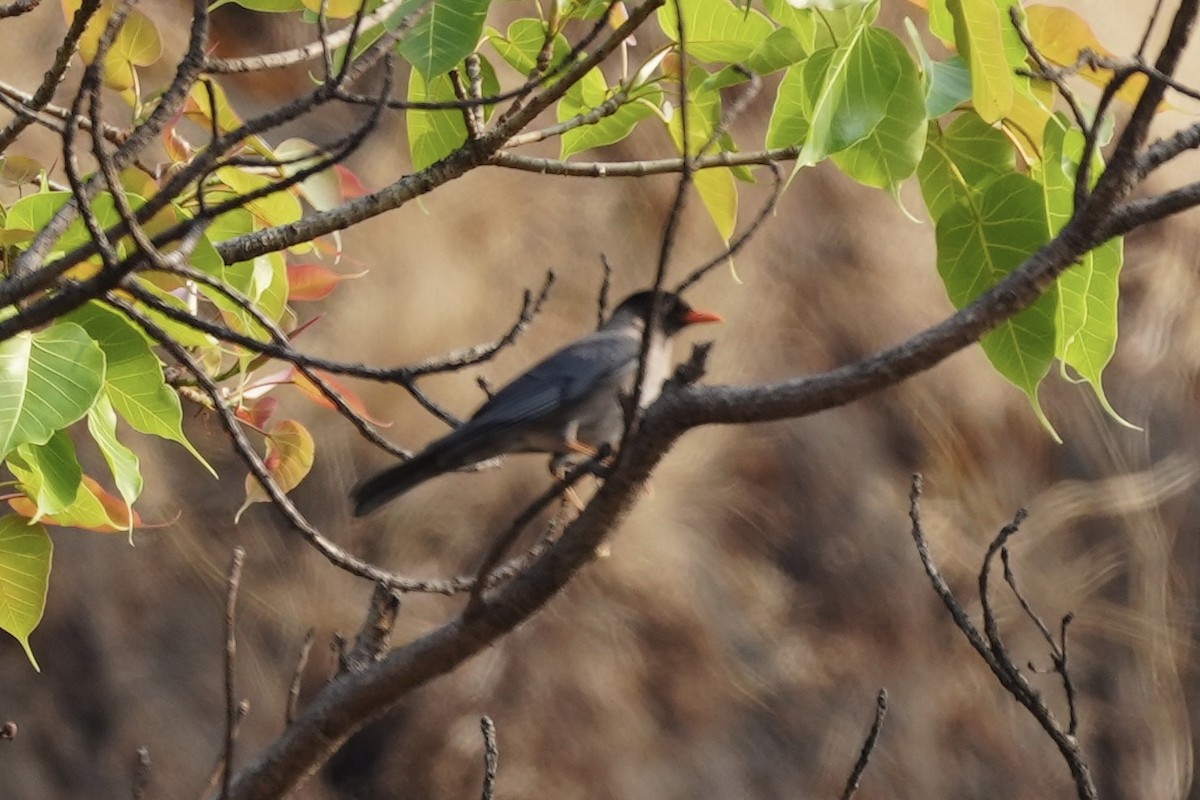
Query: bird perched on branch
[569, 403]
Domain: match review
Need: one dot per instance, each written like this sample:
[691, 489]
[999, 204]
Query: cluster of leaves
[997, 169]
[93, 366]
[996, 164]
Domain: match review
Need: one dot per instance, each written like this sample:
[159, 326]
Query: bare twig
[218, 770]
[505, 541]
[1046, 70]
[742, 238]
[670, 230]
[141, 773]
[1058, 649]
[18, 7]
[864, 753]
[311, 51]
[53, 77]
[602, 296]
[995, 654]
[491, 757]
[293, 696]
[374, 637]
[231, 707]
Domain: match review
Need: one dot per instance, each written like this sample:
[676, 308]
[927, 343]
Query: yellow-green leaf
[288, 458]
[25, 553]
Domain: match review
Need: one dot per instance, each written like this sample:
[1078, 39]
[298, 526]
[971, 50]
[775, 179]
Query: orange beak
[695, 316]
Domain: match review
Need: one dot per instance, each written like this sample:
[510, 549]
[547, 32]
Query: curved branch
[350, 701]
[308, 52]
[472, 154]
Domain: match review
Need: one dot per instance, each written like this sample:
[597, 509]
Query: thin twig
[1045, 69]
[602, 296]
[505, 540]
[491, 757]
[670, 230]
[141, 773]
[231, 707]
[310, 51]
[868, 746]
[293, 695]
[741, 239]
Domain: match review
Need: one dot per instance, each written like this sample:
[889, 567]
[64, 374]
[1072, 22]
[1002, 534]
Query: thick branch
[350, 701]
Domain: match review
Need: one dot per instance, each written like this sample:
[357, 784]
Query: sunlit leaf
[981, 242]
[58, 471]
[987, 40]
[961, 161]
[288, 459]
[309, 282]
[432, 135]
[48, 380]
[447, 32]
[25, 554]
[1061, 34]
[1088, 290]
[890, 152]
[717, 30]
[122, 462]
[94, 509]
[134, 380]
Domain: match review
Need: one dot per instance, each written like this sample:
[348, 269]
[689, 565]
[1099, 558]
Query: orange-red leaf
[95, 509]
[352, 400]
[258, 412]
[307, 282]
[352, 187]
[289, 458]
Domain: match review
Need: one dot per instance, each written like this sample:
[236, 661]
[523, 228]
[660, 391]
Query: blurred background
[761, 594]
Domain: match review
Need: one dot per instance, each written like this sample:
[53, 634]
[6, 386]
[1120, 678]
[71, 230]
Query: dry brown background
[764, 591]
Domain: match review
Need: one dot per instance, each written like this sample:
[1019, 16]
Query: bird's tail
[394, 481]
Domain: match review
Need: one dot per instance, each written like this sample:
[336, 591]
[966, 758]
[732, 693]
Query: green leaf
[278, 208]
[444, 36]
[781, 49]
[30, 214]
[122, 462]
[839, 94]
[941, 22]
[520, 46]
[718, 192]
[717, 30]
[134, 381]
[987, 40]
[817, 28]
[789, 118]
[980, 243]
[432, 135]
[947, 83]
[640, 104]
[961, 161]
[48, 380]
[1088, 290]
[716, 186]
[58, 473]
[25, 552]
[949, 86]
[891, 151]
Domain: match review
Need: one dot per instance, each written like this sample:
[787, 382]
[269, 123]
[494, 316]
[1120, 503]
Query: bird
[569, 403]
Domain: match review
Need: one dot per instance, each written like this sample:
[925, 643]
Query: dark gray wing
[561, 381]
